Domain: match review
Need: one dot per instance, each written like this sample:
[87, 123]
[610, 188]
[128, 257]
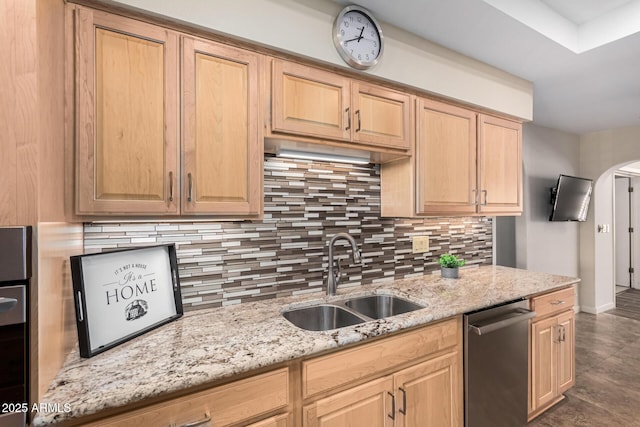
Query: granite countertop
[208, 345]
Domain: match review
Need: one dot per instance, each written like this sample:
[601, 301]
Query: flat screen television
[570, 199]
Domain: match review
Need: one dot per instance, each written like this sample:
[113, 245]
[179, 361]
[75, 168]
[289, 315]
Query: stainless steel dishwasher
[495, 365]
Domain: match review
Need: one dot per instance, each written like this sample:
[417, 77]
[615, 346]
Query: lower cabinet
[428, 394]
[425, 394]
[370, 404]
[229, 404]
[411, 378]
[552, 358]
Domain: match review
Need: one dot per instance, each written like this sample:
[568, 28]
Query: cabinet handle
[206, 419]
[348, 118]
[403, 411]
[564, 337]
[474, 193]
[486, 197]
[558, 334]
[359, 127]
[171, 186]
[392, 415]
[190, 188]
[557, 302]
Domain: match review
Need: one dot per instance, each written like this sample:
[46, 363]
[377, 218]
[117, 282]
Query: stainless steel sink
[380, 306]
[322, 317]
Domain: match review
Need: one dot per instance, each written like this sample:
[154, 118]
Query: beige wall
[600, 154]
[304, 27]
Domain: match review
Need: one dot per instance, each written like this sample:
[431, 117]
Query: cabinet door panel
[368, 405]
[500, 151]
[307, 101]
[222, 151]
[446, 159]
[381, 116]
[431, 393]
[566, 352]
[126, 109]
[544, 341]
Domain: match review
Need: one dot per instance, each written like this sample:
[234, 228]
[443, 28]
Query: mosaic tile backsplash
[305, 204]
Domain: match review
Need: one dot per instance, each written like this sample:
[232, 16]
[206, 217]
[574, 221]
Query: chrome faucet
[333, 276]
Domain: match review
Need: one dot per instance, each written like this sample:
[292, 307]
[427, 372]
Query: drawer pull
[557, 302]
[171, 186]
[403, 411]
[348, 119]
[189, 188]
[359, 124]
[206, 419]
[392, 415]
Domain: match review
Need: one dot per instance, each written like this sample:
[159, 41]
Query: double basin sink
[323, 317]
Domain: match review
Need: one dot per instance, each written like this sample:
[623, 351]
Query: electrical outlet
[420, 244]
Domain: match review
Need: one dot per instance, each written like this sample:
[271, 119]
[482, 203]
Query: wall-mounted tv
[570, 199]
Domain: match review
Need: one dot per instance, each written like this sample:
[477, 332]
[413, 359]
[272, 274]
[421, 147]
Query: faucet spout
[333, 276]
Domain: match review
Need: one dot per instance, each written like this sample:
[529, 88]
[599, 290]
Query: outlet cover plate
[420, 244]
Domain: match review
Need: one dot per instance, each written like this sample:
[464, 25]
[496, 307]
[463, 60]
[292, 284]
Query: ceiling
[583, 56]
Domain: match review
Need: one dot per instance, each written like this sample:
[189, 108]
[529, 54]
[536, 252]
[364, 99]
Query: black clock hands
[357, 38]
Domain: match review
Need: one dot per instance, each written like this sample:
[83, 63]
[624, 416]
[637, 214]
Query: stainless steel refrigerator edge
[496, 351]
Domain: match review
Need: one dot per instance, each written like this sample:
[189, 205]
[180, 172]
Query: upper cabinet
[222, 150]
[309, 102]
[466, 163]
[132, 89]
[126, 115]
[445, 159]
[500, 165]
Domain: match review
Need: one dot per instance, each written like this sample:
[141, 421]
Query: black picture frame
[122, 294]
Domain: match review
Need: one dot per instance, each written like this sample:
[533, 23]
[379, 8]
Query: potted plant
[449, 265]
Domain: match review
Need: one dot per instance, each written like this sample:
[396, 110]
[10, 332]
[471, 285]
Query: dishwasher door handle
[518, 315]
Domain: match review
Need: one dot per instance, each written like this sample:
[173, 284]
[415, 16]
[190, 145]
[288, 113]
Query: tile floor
[607, 390]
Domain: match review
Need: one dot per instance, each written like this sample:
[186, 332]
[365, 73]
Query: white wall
[541, 245]
[600, 154]
[304, 28]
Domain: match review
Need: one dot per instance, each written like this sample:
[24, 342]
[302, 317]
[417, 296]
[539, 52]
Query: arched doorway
[601, 154]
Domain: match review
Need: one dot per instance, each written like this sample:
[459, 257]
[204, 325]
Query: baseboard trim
[598, 310]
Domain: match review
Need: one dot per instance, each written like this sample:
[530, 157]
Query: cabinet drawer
[224, 405]
[553, 302]
[344, 367]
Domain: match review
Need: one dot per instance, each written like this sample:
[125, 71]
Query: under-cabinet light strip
[292, 154]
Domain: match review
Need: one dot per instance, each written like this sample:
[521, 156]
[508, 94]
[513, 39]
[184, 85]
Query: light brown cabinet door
[500, 165]
[381, 116]
[126, 106]
[544, 362]
[311, 102]
[222, 151]
[430, 393]
[566, 352]
[446, 159]
[283, 420]
[368, 405]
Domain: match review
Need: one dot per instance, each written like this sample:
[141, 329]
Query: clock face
[358, 37]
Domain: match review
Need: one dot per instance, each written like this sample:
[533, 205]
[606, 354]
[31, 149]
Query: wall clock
[358, 37]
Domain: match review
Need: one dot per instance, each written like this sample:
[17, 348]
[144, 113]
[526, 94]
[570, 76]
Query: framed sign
[122, 294]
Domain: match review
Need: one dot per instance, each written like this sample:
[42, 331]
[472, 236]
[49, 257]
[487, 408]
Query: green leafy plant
[450, 261]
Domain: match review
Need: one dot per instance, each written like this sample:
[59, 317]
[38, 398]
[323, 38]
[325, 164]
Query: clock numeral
[346, 24]
[351, 18]
[375, 44]
[373, 34]
[342, 32]
[368, 55]
[359, 19]
[373, 52]
[359, 56]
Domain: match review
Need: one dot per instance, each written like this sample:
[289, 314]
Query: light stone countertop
[209, 345]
